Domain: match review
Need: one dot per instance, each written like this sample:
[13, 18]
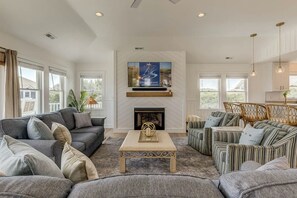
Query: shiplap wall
[175, 107]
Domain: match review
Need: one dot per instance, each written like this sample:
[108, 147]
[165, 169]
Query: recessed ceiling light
[201, 14]
[99, 14]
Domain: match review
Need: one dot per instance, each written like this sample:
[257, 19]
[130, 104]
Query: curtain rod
[3, 48]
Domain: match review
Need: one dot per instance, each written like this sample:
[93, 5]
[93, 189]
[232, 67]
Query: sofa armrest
[50, 148]
[196, 124]
[98, 121]
[237, 154]
[227, 136]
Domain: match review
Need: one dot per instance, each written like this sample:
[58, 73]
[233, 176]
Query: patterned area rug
[189, 161]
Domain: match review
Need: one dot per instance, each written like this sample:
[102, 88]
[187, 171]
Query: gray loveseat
[87, 140]
[256, 184]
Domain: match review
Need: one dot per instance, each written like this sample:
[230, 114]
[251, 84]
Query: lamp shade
[91, 101]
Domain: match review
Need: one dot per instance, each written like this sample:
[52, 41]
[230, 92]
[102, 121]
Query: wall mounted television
[149, 74]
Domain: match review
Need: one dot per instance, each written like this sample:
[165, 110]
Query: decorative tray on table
[144, 138]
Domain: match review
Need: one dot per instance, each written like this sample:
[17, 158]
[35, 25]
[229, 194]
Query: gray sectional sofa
[256, 184]
[87, 140]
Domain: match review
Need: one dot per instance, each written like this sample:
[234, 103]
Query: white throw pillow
[76, 166]
[251, 136]
[38, 130]
[280, 163]
[18, 158]
[212, 121]
[61, 133]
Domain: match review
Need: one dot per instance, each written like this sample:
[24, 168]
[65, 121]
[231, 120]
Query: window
[93, 85]
[209, 93]
[292, 86]
[236, 89]
[56, 89]
[30, 79]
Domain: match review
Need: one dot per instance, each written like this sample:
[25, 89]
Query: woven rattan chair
[282, 113]
[232, 107]
[252, 112]
[228, 107]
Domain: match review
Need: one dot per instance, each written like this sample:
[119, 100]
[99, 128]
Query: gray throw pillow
[280, 163]
[82, 120]
[212, 121]
[18, 158]
[251, 136]
[38, 130]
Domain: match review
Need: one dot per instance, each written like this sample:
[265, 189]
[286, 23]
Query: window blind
[57, 71]
[98, 75]
[31, 65]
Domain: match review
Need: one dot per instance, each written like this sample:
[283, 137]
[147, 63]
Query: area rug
[189, 161]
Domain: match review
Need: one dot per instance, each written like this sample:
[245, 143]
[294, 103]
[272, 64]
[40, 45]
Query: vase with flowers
[285, 94]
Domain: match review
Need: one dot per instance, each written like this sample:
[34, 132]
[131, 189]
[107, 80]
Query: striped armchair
[279, 140]
[200, 138]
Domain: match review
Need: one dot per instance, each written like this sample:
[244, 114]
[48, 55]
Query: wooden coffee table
[131, 148]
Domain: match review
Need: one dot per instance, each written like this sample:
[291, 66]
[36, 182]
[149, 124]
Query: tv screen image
[149, 74]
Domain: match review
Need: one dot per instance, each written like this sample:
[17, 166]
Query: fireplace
[154, 115]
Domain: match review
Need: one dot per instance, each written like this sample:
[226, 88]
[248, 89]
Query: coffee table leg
[173, 163]
[122, 163]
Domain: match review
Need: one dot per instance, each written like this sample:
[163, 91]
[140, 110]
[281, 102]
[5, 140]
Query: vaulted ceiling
[154, 25]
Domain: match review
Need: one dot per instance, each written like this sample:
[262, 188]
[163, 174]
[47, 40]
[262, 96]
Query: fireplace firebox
[154, 115]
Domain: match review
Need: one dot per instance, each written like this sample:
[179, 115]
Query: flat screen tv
[149, 74]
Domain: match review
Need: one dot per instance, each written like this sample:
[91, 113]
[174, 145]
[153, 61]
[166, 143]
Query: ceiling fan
[136, 3]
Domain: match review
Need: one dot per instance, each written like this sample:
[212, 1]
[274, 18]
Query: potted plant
[79, 104]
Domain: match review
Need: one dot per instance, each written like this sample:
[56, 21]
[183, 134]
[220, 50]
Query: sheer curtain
[12, 87]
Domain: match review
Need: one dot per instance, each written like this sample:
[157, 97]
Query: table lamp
[91, 101]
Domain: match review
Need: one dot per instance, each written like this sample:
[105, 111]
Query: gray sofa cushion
[18, 158]
[147, 186]
[94, 129]
[49, 118]
[68, 117]
[34, 186]
[82, 120]
[16, 128]
[86, 138]
[79, 146]
[280, 183]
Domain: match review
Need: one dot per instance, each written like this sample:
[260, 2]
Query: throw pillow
[76, 166]
[82, 120]
[251, 136]
[280, 163]
[61, 133]
[38, 130]
[2, 174]
[18, 158]
[212, 121]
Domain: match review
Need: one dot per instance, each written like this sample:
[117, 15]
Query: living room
[214, 53]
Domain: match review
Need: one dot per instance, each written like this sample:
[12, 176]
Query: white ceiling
[154, 25]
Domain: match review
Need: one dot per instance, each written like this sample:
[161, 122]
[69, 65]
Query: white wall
[40, 56]
[175, 107]
[107, 68]
[257, 85]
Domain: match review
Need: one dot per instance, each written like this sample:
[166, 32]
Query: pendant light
[279, 69]
[253, 63]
